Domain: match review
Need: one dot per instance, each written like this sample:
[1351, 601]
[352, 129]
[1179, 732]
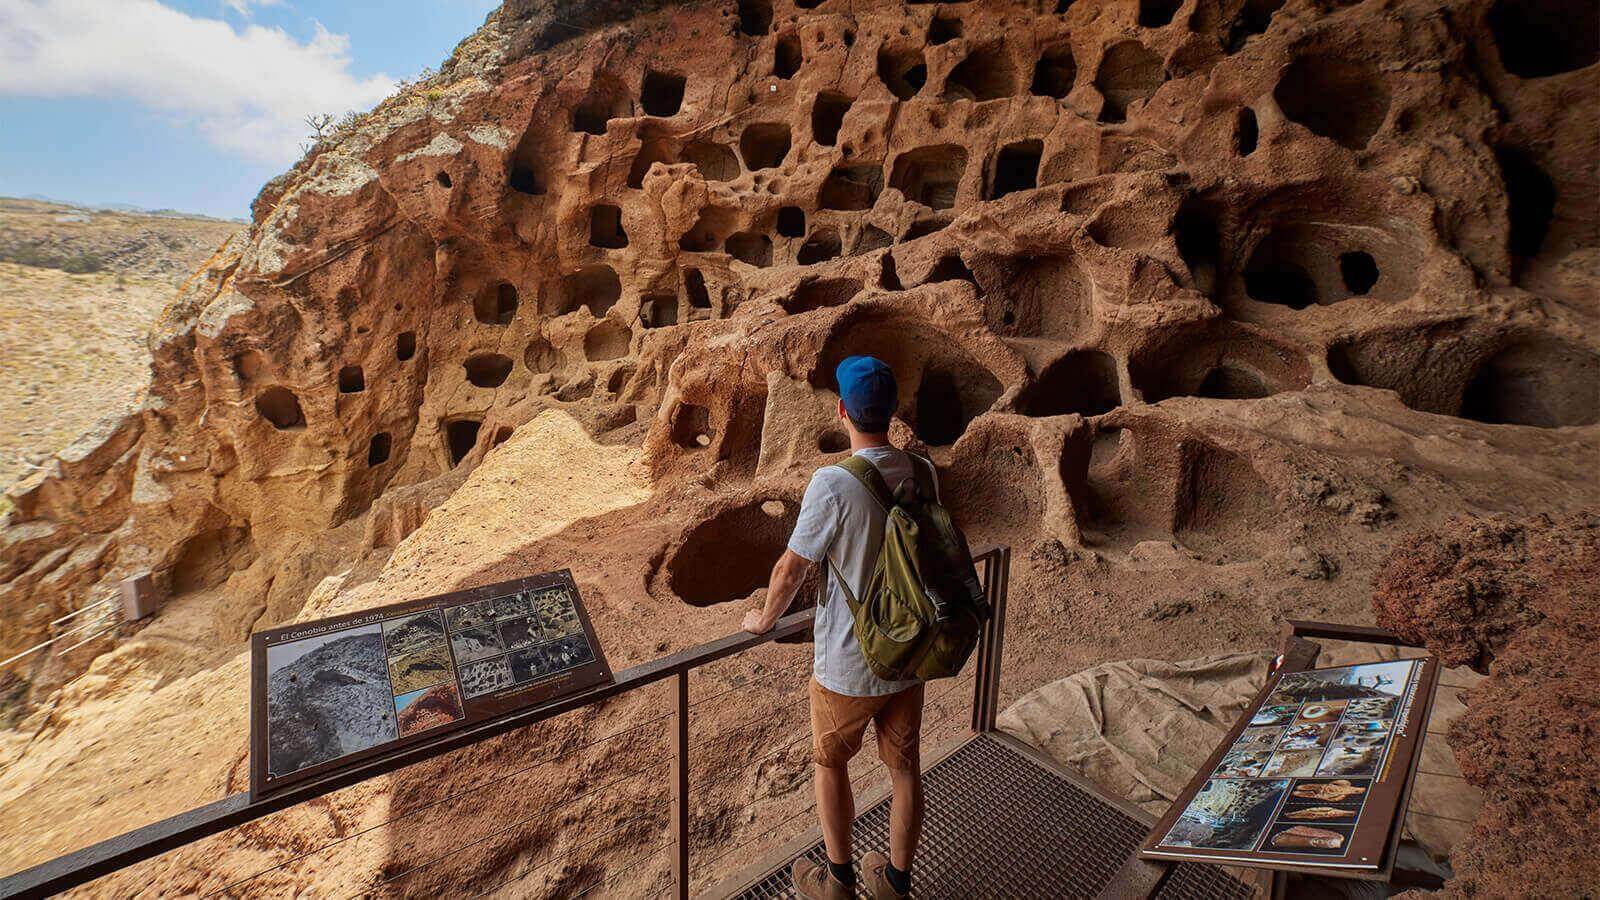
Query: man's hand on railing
[756, 621]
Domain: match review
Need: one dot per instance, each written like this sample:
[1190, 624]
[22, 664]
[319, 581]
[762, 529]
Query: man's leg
[900, 747]
[905, 817]
[837, 726]
[836, 806]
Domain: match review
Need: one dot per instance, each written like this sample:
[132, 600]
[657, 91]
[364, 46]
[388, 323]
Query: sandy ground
[170, 694]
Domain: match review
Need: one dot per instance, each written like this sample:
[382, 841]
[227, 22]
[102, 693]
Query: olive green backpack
[923, 608]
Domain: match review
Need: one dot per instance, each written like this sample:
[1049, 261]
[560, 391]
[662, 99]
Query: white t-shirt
[840, 519]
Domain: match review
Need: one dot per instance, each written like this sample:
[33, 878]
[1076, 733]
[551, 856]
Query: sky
[195, 104]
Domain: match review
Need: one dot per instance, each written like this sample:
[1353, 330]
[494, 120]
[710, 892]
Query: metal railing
[676, 833]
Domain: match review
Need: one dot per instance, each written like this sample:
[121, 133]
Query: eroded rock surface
[1191, 304]
[1518, 600]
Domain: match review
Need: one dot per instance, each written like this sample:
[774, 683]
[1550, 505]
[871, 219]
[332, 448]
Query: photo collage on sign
[1297, 777]
[420, 672]
[515, 639]
[327, 696]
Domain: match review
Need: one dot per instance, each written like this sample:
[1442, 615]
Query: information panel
[331, 693]
[1314, 776]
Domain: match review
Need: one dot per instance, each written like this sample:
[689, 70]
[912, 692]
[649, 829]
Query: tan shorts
[839, 722]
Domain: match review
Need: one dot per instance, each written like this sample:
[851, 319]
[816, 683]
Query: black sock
[844, 873]
[900, 881]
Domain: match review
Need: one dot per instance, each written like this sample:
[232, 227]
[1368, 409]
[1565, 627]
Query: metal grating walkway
[1002, 825]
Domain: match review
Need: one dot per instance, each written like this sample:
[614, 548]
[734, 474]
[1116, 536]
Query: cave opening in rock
[1280, 282]
[851, 188]
[755, 17]
[923, 227]
[1246, 132]
[1199, 243]
[661, 94]
[731, 555]
[650, 152]
[709, 231]
[1232, 383]
[833, 441]
[443, 178]
[930, 175]
[525, 180]
[1157, 13]
[460, 436]
[1016, 168]
[888, 275]
[1306, 84]
[501, 435]
[1082, 382]
[1129, 73]
[1538, 38]
[694, 286]
[209, 558]
[941, 417]
[1359, 271]
[822, 245]
[279, 405]
[352, 380]
[604, 103]
[764, 145]
[716, 162]
[871, 238]
[605, 227]
[821, 293]
[902, 71]
[827, 117]
[1530, 201]
[487, 370]
[405, 345]
[607, 340]
[1223, 361]
[659, 310]
[950, 267]
[1539, 381]
[1054, 73]
[378, 449]
[787, 56]
[750, 247]
[540, 356]
[595, 287]
[691, 426]
[1253, 18]
[496, 304]
[791, 222]
[944, 28]
[988, 73]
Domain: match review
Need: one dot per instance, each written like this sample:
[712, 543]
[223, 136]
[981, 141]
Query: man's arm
[787, 576]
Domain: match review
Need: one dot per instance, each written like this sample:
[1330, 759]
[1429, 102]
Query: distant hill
[79, 289]
[116, 240]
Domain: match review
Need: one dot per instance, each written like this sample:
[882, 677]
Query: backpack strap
[871, 479]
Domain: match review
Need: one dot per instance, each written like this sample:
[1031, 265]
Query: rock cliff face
[1189, 301]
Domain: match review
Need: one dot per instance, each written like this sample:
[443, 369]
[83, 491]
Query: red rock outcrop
[1520, 601]
[1189, 301]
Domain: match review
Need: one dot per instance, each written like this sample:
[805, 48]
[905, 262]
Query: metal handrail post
[680, 788]
[986, 682]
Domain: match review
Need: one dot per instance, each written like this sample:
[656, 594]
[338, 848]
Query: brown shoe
[875, 868]
[815, 881]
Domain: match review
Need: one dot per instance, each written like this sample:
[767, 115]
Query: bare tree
[319, 123]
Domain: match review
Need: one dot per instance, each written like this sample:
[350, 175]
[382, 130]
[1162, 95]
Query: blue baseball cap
[869, 392]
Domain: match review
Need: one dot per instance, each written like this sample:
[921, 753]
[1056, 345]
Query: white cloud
[242, 7]
[246, 90]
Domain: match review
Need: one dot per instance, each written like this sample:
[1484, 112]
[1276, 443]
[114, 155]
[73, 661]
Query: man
[842, 524]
